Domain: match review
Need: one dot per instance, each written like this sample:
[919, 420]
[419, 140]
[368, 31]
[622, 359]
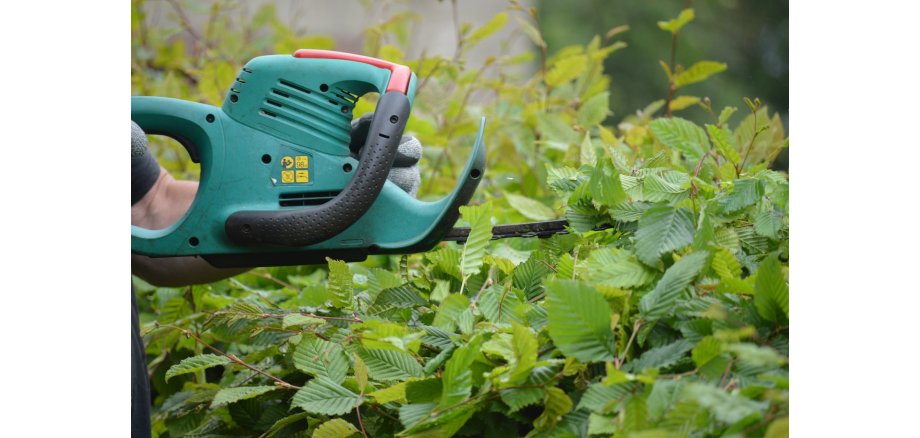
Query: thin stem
[232, 357]
[358, 411]
[671, 87]
[632, 336]
[750, 144]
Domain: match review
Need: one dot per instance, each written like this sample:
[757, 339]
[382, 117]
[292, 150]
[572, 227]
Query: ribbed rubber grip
[311, 225]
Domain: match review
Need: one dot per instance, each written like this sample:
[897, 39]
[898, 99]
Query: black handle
[315, 224]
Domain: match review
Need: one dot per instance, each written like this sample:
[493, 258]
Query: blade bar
[527, 229]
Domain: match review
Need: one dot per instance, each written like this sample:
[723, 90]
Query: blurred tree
[751, 37]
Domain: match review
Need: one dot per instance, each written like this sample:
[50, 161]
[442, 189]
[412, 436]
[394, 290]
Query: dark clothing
[144, 173]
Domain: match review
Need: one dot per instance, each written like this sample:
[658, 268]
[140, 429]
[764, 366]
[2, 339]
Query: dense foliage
[674, 322]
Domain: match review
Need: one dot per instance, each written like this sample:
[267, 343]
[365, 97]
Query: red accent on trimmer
[399, 74]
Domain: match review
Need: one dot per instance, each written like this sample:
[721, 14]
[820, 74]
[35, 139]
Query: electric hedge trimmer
[278, 184]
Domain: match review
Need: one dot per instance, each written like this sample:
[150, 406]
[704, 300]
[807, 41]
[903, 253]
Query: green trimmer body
[279, 185]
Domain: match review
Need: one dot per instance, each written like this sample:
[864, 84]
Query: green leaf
[325, 397]
[587, 154]
[725, 264]
[698, 72]
[457, 379]
[726, 114]
[231, 395]
[661, 357]
[335, 428]
[629, 211]
[554, 128]
[196, 363]
[660, 301]
[297, 319]
[530, 208]
[528, 276]
[671, 186]
[594, 110]
[402, 297]
[707, 349]
[566, 69]
[605, 185]
[450, 310]
[531, 32]
[588, 336]
[768, 223]
[682, 135]
[361, 373]
[498, 303]
[385, 365]
[771, 293]
[396, 392]
[497, 22]
[719, 137]
[662, 229]
[321, 358]
[518, 398]
[340, 287]
[618, 268]
[745, 193]
[726, 407]
[556, 404]
[778, 428]
[524, 347]
[424, 391]
[635, 417]
[479, 218]
[599, 397]
[675, 24]
[683, 102]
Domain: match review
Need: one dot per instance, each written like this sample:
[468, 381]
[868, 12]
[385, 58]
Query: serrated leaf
[745, 193]
[335, 428]
[361, 373]
[719, 137]
[325, 397]
[768, 224]
[297, 319]
[340, 283]
[556, 404]
[396, 393]
[671, 186]
[726, 407]
[662, 229]
[675, 24]
[563, 179]
[524, 349]
[725, 264]
[660, 301]
[594, 110]
[605, 185]
[566, 69]
[424, 391]
[495, 24]
[518, 398]
[771, 293]
[196, 363]
[726, 114]
[479, 217]
[587, 337]
[635, 417]
[530, 208]
[528, 276]
[587, 154]
[457, 379]
[231, 395]
[599, 397]
[629, 211]
[682, 135]
[321, 358]
[660, 357]
[450, 310]
[618, 268]
[498, 303]
[385, 365]
[683, 102]
[403, 297]
[707, 349]
[698, 72]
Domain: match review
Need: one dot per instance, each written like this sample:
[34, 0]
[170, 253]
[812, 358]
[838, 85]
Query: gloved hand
[404, 172]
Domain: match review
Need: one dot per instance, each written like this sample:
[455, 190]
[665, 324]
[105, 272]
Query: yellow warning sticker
[303, 162]
[287, 176]
[303, 176]
[287, 162]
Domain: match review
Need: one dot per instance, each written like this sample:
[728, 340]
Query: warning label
[302, 161]
[302, 176]
[287, 176]
[287, 162]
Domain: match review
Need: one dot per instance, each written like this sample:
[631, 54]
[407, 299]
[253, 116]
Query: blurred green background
[752, 37]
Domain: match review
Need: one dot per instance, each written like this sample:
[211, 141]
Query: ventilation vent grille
[322, 113]
[304, 198]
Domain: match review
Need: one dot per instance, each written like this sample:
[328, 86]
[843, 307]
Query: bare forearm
[161, 207]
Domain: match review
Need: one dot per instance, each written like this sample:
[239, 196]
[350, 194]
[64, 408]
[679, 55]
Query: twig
[750, 144]
[232, 357]
[358, 411]
[728, 370]
[632, 336]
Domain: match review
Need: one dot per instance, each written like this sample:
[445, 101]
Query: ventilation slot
[305, 198]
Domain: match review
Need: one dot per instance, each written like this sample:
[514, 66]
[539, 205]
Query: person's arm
[161, 207]
[158, 201]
